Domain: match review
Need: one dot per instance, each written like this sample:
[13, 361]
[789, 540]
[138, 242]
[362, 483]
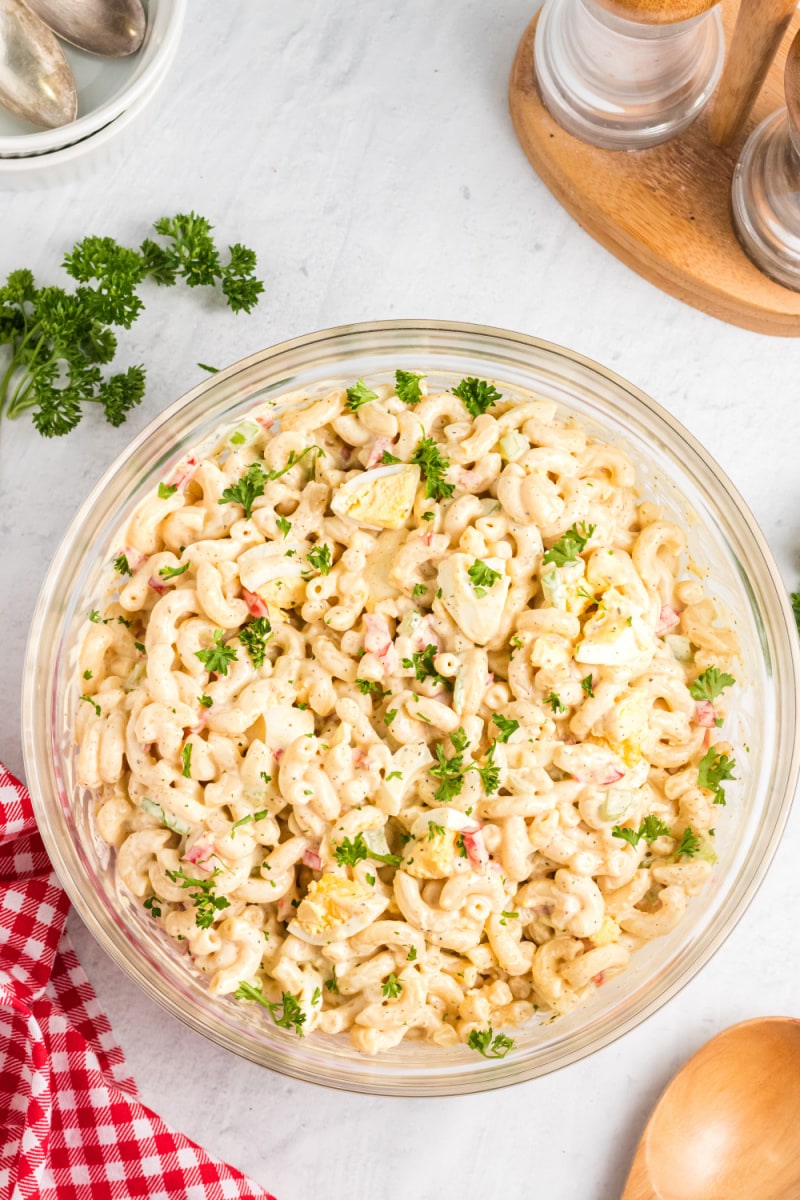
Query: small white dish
[107, 88]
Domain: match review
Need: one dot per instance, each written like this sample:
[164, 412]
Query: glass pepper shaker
[627, 74]
[765, 195]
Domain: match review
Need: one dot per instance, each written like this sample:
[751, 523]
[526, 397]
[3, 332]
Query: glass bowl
[674, 470]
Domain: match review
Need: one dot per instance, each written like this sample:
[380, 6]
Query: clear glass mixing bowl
[674, 470]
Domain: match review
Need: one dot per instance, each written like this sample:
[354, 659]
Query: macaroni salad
[402, 713]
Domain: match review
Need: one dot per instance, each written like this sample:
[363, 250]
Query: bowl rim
[166, 26]
[487, 1075]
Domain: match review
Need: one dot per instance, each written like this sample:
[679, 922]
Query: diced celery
[244, 433]
[680, 646]
[166, 818]
[553, 587]
[616, 804]
[513, 445]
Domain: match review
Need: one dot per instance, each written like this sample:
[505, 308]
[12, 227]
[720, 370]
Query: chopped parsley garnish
[205, 701]
[359, 394]
[450, 771]
[462, 849]
[689, 843]
[713, 770]
[428, 457]
[94, 705]
[388, 459]
[419, 590]
[365, 686]
[489, 773]
[285, 1012]
[255, 816]
[186, 759]
[332, 983]
[165, 490]
[348, 853]
[392, 988]
[412, 954]
[406, 385]
[489, 1044]
[320, 558]
[284, 525]
[421, 663]
[477, 394]
[94, 617]
[586, 684]
[434, 830]
[482, 577]
[206, 902]
[249, 488]
[173, 572]
[264, 777]
[254, 637]
[555, 702]
[394, 775]
[506, 725]
[121, 565]
[710, 684]
[140, 646]
[652, 827]
[251, 485]
[216, 658]
[389, 716]
[153, 906]
[87, 674]
[429, 516]
[569, 545]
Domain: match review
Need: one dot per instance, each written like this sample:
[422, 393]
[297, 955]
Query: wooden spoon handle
[759, 28]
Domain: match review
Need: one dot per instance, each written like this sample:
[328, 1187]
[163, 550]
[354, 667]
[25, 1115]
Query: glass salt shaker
[627, 74]
[765, 195]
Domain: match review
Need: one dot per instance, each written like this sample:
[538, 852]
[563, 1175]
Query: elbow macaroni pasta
[407, 739]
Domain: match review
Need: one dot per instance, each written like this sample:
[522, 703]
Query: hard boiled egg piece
[476, 609]
[381, 498]
[335, 908]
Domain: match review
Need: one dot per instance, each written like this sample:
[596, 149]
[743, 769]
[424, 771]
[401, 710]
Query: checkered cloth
[72, 1126]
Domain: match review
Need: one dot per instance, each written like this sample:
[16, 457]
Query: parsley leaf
[482, 577]
[205, 701]
[412, 954]
[186, 759]
[332, 984]
[121, 565]
[365, 686]
[359, 394]
[450, 771]
[94, 705]
[555, 702]
[165, 490]
[254, 816]
[173, 572]
[689, 843]
[421, 662]
[710, 684]
[216, 658]
[284, 525]
[285, 1012]
[249, 489]
[652, 827]
[489, 1044]
[489, 773]
[348, 853]
[320, 557]
[406, 385]
[433, 466]
[569, 545]
[419, 589]
[392, 987]
[506, 725]
[192, 255]
[254, 637]
[206, 902]
[477, 394]
[713, 770]
[586, 684]
[387, 459]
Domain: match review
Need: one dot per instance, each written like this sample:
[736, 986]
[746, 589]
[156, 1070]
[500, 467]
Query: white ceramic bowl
[107, 88]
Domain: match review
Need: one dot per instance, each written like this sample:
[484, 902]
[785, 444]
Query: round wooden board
[665, 212]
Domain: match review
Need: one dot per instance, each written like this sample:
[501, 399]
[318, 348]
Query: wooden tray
[665, 212]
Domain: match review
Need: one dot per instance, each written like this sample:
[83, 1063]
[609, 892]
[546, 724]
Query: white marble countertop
[366, 152]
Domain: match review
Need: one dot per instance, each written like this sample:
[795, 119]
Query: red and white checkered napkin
[72, 1126]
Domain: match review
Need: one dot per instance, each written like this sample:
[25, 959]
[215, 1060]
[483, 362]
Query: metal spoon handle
[112, 28]
[36, 81]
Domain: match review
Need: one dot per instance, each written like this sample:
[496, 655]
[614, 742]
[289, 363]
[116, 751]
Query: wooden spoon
[112, 28]
[728, 1124]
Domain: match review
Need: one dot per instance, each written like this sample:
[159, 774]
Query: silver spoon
[36, 81]
[112, 28]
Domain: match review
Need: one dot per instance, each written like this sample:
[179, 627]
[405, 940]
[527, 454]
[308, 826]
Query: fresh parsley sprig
[490, 1044]
[569, 545]
[216, 658]
[482, 577]
[406, 385]
[433, 465]
[714, 769]
[206, 902]
[421, 663]
[59, 340]
[652, 827]
[349, 852]
[285, 1012]
[478, 395]
[710, 684]
[359, 394]
[506, 725]
[254, 637]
